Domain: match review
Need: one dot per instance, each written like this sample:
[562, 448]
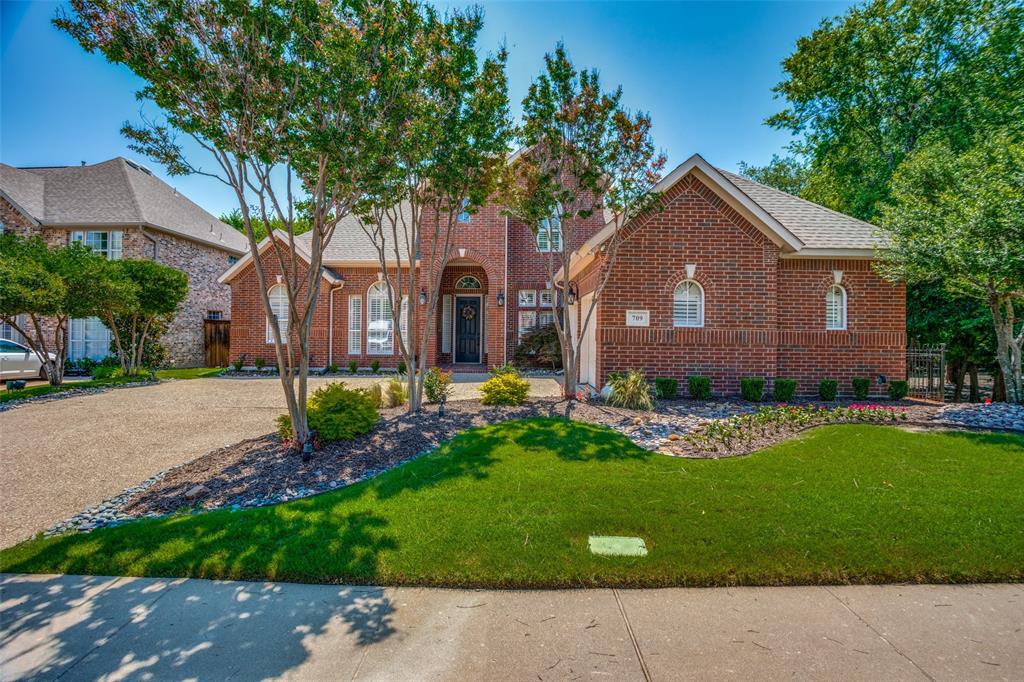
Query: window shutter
[279, 306]
[355, 325]
[403, 321]
[77, 236]
[542, 236]
[446, 324]
[114, 245]
[835, 308]
[380, 326]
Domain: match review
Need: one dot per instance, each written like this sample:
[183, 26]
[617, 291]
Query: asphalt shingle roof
[114, 192]
[816, 226]
[350, 242]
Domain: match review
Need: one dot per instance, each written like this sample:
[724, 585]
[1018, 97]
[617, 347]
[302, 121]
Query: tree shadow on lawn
[99, 627]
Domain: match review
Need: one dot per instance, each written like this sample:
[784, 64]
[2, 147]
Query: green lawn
[45, 389]
[512, 505]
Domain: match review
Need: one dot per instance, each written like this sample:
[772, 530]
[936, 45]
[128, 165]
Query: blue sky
[704, 71]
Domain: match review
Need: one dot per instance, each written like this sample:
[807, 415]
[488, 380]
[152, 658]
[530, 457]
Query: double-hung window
[355, 324]
[106, 243]
[527, 322]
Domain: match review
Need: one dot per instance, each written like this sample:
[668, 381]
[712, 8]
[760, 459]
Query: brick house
[122, 210]
[731, 279]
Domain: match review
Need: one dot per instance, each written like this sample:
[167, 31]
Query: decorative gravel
[260, 471]
[1001, 416]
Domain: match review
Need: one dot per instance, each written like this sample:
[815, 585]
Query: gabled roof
[114, 192]
[281, 236]
[350, 245]
[816, 226]
[800, 228]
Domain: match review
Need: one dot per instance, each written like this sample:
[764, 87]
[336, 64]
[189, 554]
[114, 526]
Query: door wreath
[468, 312]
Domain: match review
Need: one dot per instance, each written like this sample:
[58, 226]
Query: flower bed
[743, 433]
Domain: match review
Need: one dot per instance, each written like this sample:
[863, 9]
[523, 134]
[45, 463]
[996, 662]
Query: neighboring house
[122, 210]
[731, 279]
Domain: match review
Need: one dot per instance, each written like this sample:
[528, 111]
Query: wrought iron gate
[926, 372]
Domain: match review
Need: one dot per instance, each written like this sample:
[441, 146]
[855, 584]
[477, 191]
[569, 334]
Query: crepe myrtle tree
[157, 293]
[281, 95]
[42, 289]
[446, 137]
[958, 219]
[583, 155]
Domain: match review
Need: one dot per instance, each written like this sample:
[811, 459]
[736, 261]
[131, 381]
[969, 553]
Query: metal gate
[216, 342]
[926, 372]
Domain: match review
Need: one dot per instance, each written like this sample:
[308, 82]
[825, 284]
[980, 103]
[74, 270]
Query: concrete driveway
[90, 628]
[62, 456]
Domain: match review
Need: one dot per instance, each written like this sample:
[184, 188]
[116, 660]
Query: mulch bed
[262, 471]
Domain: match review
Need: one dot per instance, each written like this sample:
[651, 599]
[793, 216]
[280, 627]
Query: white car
[19, 362]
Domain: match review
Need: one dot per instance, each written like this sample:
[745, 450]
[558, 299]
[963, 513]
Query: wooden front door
[467, 329]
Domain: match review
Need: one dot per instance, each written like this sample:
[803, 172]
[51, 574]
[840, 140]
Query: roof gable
[281, 236]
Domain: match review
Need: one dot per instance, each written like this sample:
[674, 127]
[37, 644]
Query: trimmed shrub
[752, 388]
[259, 363]
[437, 383]
[335, 412]
[828, 389]
[104, 372]
[861, 387]
[332, 368]
[506, 388]
[897, 390]
[375, 366]
[396, 393]
[505, 369]
[630, 391]
[700, 387]
[783, 390]
[239, 361]
[353, 366]
[666, 388]
[401, 367]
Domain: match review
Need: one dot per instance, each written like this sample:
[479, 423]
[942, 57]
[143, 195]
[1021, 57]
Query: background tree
[584, 156]
[866, 90]
[958, 218]
[787, 173]
[281, 94]
[233, 218]
[157, 292]
[446, 137]
[41, 289]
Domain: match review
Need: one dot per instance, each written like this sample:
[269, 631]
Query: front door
[467, 329]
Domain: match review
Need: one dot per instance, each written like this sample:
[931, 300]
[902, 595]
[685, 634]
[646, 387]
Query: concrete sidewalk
[85, 628]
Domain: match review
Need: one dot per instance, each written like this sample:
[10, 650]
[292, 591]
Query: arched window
[279, 305]
[380, 338]
[688, 305]
[468, 282]
[835, 307]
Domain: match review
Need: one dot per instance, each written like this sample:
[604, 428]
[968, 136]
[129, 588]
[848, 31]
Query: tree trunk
[570, 376]
[998, 387]
[957, 372]
[1008, 350]
[975, 390]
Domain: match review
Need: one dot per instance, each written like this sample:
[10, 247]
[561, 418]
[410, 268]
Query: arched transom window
[279, 305]
[380, 338]
[468, 282]
[835, 307]
[688, 305]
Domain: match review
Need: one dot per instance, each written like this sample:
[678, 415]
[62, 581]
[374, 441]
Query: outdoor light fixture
[501, 298]
[440, 404]
[307, 451]
[572, 293]
[423, 296]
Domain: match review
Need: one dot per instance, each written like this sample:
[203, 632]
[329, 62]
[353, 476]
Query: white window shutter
[114, 245]
[355, 325]
[688, 305]
[279, 306]
[446, 323]
[403, 321]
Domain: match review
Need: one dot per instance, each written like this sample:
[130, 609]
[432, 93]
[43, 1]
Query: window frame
[830, 306]
[549, 227]
[354, 341]
[379, 290]
[280, 319]
[531, 298]
[459, 285]
[114, 248]
[520, 328]
[701, 305]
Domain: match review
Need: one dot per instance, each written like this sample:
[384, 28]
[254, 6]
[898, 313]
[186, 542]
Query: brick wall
[764, 315]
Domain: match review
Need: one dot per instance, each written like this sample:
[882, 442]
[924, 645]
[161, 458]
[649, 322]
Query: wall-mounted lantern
[423, 296]
[572, 293]
[501, 299]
